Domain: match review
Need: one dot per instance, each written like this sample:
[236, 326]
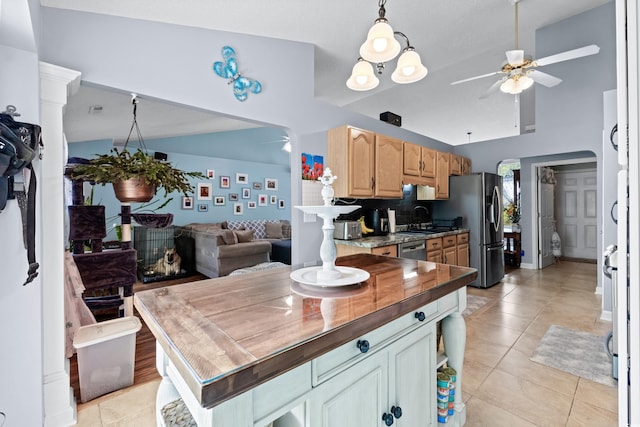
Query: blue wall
[256, 171]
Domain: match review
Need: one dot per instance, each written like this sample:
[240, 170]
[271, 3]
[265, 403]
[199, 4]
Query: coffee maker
[378, 220]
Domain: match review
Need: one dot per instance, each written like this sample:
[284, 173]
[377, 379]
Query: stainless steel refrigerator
[477, 198]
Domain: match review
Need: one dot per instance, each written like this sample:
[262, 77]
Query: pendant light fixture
[381, 46]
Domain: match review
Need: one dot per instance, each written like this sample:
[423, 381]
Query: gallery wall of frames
[232, 189]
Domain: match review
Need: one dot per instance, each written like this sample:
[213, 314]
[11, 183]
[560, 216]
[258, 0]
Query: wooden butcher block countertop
[230, 334]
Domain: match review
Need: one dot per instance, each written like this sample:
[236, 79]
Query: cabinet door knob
[387, 418]
[363, 345]
[420, 316]
[396, 411]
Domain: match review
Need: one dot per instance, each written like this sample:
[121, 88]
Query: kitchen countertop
[395, 238]
[227, 335]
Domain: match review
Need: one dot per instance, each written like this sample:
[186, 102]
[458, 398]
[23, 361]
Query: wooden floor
[145, 359]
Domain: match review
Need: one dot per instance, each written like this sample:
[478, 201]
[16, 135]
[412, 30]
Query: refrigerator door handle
[494, 248]
[495, 208]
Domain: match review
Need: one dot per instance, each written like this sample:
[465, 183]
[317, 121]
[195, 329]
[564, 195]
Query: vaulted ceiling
[455, 38]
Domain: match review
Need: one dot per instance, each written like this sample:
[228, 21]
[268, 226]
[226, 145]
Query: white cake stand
[328, 274]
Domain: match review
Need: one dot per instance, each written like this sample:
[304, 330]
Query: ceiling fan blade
[494, 87]
[568, 55]
[476, 77]
[515, 57]
[543, 78]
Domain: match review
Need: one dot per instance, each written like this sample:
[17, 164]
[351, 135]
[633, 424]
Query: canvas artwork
[312, 166]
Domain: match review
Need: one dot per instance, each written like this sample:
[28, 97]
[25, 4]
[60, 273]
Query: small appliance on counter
[377, 220]
[347, 230]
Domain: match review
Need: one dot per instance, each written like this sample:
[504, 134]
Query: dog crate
[154, 248]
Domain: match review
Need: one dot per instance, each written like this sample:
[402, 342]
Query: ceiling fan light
[409, 68]
[362, 77]
[381, 45]
[525, 82]
[508, 86]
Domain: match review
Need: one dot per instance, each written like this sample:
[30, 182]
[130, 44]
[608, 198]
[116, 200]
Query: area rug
[474, 303]
[576, 352]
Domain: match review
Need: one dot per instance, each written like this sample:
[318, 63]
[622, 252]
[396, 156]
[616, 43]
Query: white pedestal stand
[328, 274]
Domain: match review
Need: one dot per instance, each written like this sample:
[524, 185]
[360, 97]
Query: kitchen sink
[422, 231]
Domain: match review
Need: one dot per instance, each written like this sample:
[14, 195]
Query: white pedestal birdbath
[328, 274]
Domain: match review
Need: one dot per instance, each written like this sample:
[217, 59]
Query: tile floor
[501, 386]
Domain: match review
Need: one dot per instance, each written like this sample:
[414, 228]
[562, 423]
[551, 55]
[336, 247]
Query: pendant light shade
[362, 77]
[409, 68]
[381, 45]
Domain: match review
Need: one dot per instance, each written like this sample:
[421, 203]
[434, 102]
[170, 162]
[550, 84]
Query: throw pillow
[286, 230]
[244, 236]
[229, 237]
[274, 230]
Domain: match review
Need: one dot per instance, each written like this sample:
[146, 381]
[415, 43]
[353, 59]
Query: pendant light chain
[134, 124]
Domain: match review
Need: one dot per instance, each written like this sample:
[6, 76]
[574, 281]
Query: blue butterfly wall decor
[229, 70]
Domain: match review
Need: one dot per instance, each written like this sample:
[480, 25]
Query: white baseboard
[606, 316]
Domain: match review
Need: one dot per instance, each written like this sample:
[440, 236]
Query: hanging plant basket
[153, 220]
[134, 190]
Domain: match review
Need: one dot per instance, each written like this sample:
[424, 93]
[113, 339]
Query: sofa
[224, 247]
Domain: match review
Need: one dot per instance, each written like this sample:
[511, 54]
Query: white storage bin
[106, 355]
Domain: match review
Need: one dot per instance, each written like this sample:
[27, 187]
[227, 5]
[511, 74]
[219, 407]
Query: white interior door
[577, 213]
[546, 218]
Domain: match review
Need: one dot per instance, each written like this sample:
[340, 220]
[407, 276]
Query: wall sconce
[381, 46]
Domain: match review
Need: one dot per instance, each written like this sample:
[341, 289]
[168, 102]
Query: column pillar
[56, 84]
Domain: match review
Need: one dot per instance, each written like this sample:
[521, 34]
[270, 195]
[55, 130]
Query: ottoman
[281, 251]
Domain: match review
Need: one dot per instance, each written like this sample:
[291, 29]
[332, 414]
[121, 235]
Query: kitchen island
[259, 348]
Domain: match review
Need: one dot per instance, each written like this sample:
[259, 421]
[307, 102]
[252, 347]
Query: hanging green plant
[124, 165]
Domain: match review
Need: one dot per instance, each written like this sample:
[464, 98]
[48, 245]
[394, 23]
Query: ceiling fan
[520, 72]
[285, 139]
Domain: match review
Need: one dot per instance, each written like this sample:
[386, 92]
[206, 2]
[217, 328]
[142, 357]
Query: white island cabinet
[256, 351]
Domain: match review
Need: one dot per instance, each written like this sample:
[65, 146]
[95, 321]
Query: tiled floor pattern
[501, 386]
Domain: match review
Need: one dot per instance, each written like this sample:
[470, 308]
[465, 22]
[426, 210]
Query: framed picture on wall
[271, 184]
[262, 200]
[246, 193]
[203, 207]
[187, 202]
[233, 197]
[238, 209]
[251, 205]
[204, 191]
[257, 186]
[273, 199]
[281, 204]
[211, 174]
[225, 181]
[218, 200]
[242, 178]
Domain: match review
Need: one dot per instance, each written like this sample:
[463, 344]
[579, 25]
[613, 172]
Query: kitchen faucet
[415, 208]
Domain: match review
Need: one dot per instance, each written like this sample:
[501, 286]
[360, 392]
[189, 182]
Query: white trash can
[106, 356]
